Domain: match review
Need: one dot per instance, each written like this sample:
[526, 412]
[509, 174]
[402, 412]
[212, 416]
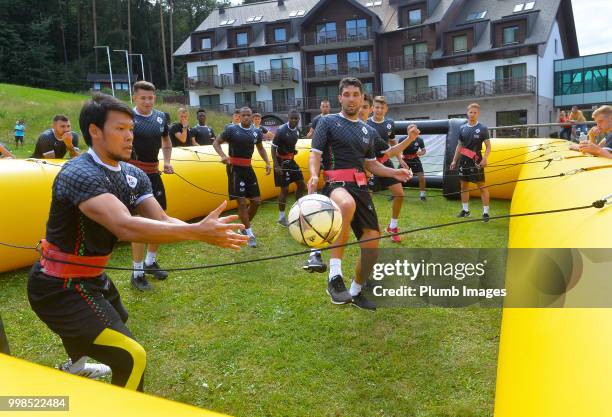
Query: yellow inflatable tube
[26, 194]
[556, 362]
[85, 397]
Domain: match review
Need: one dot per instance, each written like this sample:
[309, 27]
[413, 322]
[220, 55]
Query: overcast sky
[593, 27]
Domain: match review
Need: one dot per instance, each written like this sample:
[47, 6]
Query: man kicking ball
[286, 170]
[471, 162]
[345, 146]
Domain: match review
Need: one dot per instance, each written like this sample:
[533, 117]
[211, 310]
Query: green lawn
[37, 107]
[263, 339]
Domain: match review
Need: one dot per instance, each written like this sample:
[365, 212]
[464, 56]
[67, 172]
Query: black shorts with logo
[76, 308]
[415, 165]
[365, 216]
[241, 182]
[159, 191]
[376, 183]
[469, 172]
[291, 172]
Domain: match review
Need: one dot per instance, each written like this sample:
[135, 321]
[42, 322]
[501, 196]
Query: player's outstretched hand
[220, 231]
[403, 175]
[168, 169]
[313, 185]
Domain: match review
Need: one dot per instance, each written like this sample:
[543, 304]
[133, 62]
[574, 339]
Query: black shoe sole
[318, 269]
[155, 276]
[362, 308]
[338, 303]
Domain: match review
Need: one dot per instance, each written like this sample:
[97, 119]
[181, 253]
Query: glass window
[510, 118]
[595, 79]
[506, 72]
[279, 64]
[206, 43]
[96, 86]
[368, 87]
[414, 17]
[510, 35]
[358, 61]
[460, 43]
[416, 85]
[207, 72]
[282, 99]
[416, 50]
[357, 29]
[327, 92]
[280, 35]
[210, 101]
[326, 32]
[246, 98]
[460, 83]
[242, 39]
[326, 64]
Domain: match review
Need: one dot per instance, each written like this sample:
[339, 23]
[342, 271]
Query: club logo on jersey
[132, 181]
[477, 130]
[389, 126]
[159, 120]
[364, 130]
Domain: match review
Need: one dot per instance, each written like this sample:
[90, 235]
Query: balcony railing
[337, 36]
[338, 70]
[409, 62]
[240, 79]
[510, 86]
[314, 103]
[204, 82]
[272, 106]
[279, 75]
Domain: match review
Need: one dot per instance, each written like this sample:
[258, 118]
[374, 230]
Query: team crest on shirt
[389, 126]
[132, 181]
[159, 120]
[364, 130]
[477, 130]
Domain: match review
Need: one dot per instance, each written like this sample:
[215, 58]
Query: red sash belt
[241, 162]
[410, 156]
[52, 253]
[286, 156]
[383, 159]
[346, 175]
[470, 154]
[147, 167]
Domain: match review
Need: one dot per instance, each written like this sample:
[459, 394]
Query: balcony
[334, 39]
[270, 106]
[312, 104]
[240, 79]
[279, 75]
[490, 88]
[327, 72]
[398, 64]
[203, 82]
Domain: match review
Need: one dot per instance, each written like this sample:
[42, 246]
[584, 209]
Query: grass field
[263, 339]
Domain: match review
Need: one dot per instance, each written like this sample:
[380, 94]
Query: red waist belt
[346, 175]
[286, 156]
[470, 154]
[147, 167]
[383, 159]
[52, 254]
[241, 162]
[410, 156]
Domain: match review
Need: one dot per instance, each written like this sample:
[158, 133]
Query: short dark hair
[245, 108]
[293, 111]
[143, 85]
[257, 115]
[350, 81]
[59, 117]
[201, 111]
[96, 110]
[367, 97]
[237, 111]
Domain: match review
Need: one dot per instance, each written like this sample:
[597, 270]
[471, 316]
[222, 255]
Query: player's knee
[256, 202]
[347, 206]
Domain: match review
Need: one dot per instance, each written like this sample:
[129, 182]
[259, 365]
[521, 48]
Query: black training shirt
[48, 142]
[414, 147]
[178, 128]
[472, 137]
[285, 139]
[241, 141]
[385, 128]
[148, 133]
[203, 135]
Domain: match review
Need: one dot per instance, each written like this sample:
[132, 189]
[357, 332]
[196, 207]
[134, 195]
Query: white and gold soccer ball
[315, 221]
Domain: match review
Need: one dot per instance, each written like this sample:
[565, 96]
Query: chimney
[281, 3]
[222, 9]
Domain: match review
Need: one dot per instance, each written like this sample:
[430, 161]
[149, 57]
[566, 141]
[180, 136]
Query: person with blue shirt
[19, 133]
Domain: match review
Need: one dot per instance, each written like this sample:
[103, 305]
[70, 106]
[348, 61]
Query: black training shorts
[365, 214]
[469, 172]
[159, 191]
[241, 182]
[291, 172]
[415, 165]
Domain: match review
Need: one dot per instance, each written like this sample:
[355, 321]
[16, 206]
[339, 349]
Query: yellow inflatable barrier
[26, 194]
[85, 397]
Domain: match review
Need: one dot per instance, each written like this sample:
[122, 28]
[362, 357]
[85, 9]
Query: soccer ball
[315, 221]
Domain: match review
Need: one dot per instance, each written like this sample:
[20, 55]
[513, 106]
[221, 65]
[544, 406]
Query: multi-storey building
[428, 57]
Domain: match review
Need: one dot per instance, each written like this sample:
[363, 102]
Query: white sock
[422, 193]
[485, 209]
[335, 267]
[281, 215]
[393, 224]
[355, 288]
[249, 232]
[151, 256]
[314, 252]
[138, 269]
[466, 206]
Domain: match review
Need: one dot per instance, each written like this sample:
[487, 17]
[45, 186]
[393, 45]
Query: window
[280, 35]
[358, 61]
[357, 29]
[529, 6]
[96, 86]
[510, 35]
[326, 32]
[326, 65]
[242, 39]
[460, 44]
[246, 98]
[281, 68]
[283, 99]
[476, 16]
[327, 92]
[511, 79]
[244, 73]
[416, 50]
[368, 87]
[506, 72]
[210, 102]
[460, 83]
[227, 22]
[518, 8]
[207, 74]
[414, 17]
[206, 43]
[416, 89]
[510, 118]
